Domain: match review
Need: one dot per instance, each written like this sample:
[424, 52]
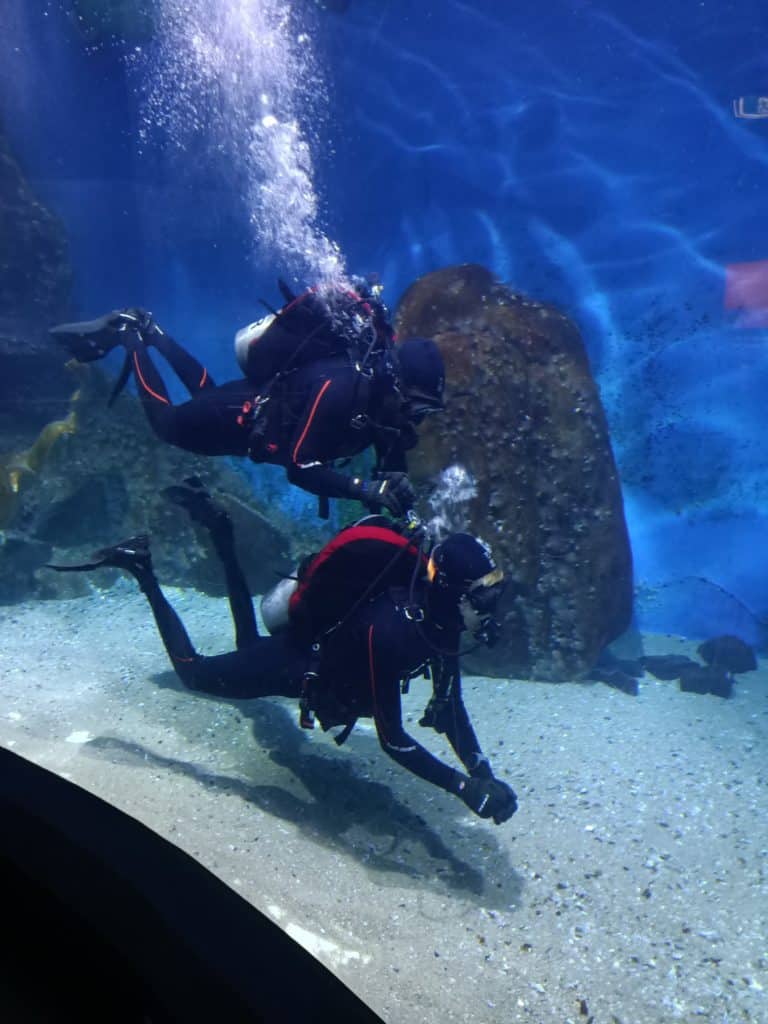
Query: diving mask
[477, 606]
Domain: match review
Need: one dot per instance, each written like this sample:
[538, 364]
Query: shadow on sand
[438, 847]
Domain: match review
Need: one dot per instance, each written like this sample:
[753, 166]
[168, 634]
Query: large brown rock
[524, 418]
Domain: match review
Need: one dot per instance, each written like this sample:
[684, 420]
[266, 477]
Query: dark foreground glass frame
[103, 920]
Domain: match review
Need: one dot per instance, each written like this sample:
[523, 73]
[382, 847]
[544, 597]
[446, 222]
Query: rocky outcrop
[74, 475]
[35, 282]
[102, 482]
[524, 417]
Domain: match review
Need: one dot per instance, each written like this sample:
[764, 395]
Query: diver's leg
[263, 668]
[90, 340]
[173, 633]
[213, 430]
[238, 591]
[192, 374]
[269, 667]
[211, 423]
[193, 496]
[134, 556]
[161, 413]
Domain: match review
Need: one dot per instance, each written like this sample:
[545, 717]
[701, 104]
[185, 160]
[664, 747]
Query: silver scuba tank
[274, 604]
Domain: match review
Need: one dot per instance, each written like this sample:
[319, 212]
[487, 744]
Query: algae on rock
[523, 415]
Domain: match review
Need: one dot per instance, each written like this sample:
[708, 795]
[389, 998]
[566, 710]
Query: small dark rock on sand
[728, 652]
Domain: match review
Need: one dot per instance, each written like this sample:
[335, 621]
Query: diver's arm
[447, 714]
[385, 638]
[393, 491]
[323, 429]
[325, 481]
[190, 371]
[391, 444]
[324, 421]
[390, 456]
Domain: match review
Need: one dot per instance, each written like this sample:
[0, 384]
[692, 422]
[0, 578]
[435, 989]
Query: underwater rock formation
[524, 417]
[729, 653]
[103, 482]
[667, 666]
[20, 559]
[16, 466]
[724, 656]
[706, 679]
[35, 282]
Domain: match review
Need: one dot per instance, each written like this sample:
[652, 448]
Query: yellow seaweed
[15, 466]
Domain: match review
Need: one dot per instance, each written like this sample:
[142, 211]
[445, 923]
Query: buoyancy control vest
[360, 563]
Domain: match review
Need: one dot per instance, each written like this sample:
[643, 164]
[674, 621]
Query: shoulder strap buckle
[365, 369]
[414, 613]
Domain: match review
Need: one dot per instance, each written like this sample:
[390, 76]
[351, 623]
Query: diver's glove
[488, 798]
[392, 491]
[481, 767]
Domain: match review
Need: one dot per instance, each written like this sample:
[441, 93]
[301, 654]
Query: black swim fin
[90, 340]
[132, 554]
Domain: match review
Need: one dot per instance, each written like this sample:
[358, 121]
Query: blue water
[588, 153]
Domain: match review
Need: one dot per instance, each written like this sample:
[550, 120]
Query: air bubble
[246, 76]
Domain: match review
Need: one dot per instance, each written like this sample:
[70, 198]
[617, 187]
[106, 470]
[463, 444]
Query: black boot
[132, 555]
[195, 498]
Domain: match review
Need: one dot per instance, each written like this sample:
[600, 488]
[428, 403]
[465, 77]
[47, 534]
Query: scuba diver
[323, 380]
[370, 611]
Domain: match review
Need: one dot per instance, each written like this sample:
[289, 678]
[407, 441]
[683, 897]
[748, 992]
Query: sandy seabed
[630, 888]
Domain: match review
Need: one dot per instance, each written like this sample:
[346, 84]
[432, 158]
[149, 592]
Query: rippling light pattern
[239, 78]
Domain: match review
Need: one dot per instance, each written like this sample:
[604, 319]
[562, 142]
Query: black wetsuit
[361, 665]
[315, 414]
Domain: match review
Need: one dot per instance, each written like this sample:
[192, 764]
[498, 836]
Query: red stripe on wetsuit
[344, 539]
